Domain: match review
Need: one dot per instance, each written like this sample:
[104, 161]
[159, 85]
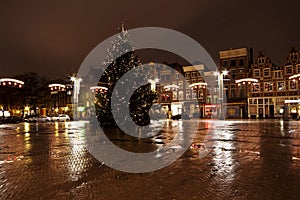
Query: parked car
[11, 120]
[61, 118]
[29, 118]
[41, 119]
[54, 118]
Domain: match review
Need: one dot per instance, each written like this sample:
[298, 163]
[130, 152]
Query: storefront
[272, 107]
[293, 108]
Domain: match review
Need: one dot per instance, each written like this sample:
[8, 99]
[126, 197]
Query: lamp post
[76, 89]
[153, 83]
[220, 75]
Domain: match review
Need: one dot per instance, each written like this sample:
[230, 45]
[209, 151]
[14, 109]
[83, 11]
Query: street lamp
[76, 89]
[220, 75]
[153, 83]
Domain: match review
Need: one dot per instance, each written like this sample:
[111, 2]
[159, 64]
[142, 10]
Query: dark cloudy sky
[53, 37]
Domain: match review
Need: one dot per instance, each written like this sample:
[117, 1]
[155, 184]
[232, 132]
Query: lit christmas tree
[142, 98]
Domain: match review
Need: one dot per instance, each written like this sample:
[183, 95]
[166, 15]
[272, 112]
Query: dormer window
[294, 56]
[261, 60]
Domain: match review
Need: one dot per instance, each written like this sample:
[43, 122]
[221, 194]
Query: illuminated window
[293, 85]
[180, 83]
[194, 95]
[268, 86]
[180, 95]
[208, 99]
[175, 96]
[255, 87]
[188, 95]
[200, 94]
[280, 86]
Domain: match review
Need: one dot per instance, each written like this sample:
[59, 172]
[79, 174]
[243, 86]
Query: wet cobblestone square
[249, 159]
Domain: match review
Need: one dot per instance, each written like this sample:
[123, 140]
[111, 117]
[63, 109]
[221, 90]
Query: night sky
[52, 38]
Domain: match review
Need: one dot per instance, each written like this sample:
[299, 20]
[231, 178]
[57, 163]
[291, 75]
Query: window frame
[296, 84]
[270, 84]
[267, 70]
[253, 85]
[285, 70]
[284, 88]
[254, 73]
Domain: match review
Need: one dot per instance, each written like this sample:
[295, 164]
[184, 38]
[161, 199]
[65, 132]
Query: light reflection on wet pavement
[247, 159]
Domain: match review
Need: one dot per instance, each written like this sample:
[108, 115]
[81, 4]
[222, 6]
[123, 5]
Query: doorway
[271, 109]
[260, 113]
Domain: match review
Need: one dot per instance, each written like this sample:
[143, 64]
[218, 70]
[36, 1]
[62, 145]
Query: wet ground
[247, 159]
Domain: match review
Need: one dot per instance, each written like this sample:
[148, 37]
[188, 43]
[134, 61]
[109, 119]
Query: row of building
[246, 87]
[54, 98]
[242, 87]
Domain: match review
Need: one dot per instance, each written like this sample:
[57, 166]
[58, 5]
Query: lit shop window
[268, 86]
[280, 86]
[293, 85]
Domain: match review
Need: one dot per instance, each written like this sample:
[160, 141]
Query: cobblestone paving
[249, 160]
